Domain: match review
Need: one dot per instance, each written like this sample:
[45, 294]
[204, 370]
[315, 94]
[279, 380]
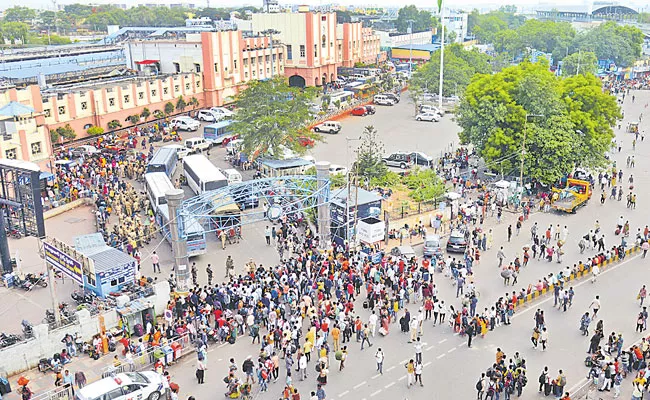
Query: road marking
[403, 361]
[373, 394]
[376, 376]
[427, 364]
[442, 341]
[440, 356]
[359, 385]
[222, 345]
[390, 369]
[344, 393]
[402, 378]
[452, 349]
[389, 385]
[429, 348]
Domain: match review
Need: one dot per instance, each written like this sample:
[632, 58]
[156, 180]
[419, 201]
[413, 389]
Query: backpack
[479, 385]
[562, 381]
[542, 378]
[524, 380]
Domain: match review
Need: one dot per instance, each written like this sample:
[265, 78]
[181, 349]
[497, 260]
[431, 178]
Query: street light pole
[523, 152]
[410, 21]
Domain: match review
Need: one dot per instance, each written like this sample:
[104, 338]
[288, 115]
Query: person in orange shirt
[336, 333]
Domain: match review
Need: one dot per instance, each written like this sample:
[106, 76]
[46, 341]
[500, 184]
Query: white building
[395, 39]
[271, 6]
[456, 21]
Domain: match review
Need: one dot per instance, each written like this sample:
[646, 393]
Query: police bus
[202, 175]
[216, 133]
[157, 184]
[194, 232]
[164, 160]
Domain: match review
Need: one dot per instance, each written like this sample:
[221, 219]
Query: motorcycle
[8, 340]
[28, 330]
[14, 233]
[83, 297]
[40, 279]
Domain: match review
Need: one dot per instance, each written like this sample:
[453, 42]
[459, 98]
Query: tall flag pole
[442, 51]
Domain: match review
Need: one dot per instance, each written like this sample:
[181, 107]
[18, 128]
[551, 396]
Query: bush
[95, 130]
[114, 124]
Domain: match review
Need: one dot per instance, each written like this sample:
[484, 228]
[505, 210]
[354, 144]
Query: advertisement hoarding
[63, 262]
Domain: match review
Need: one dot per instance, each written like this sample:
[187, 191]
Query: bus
[216, 133]
[164, 160]
[156, 185]
[202, 175]
[194, 232]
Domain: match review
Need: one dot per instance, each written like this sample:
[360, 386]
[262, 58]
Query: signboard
[370, 230]
[121, 273]
[63, 262]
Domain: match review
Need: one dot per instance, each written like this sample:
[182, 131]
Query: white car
[338, 169]
[222, 112]
[146, 385]
[207, 116]
[233, 146]
[184, 123]
[331, 127]
[424, 108]
[84, 150]
[427, 116]
[181, 151]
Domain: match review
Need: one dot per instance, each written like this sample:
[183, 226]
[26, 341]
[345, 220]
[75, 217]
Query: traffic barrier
[535, 294]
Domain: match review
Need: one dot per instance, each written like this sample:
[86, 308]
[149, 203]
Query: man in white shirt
[372, 323]
[379, 358]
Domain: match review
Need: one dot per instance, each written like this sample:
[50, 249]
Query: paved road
[450, 366]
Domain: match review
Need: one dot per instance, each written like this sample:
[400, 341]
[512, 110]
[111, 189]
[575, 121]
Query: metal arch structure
[288, 196]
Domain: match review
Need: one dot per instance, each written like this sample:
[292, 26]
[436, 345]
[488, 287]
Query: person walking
[410, 373]
[543, 338]
[509, 232]
[344, 356]
[155, 261]
[68, 380]
[200, 369]
[80, 379]
[642, 295]
[365, 336]
[209, 271]
[543, 379]
[481, 385]
[230, 267]
[418, 373]
[501, 256]
[267, 235]
[379, 359]
[595, 306]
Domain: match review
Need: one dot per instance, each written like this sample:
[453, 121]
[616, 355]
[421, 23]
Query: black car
[421, 159]
[244, 197]
[370, 109]
[456, 242]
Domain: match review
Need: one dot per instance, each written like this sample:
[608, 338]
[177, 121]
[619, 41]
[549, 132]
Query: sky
[457, 4]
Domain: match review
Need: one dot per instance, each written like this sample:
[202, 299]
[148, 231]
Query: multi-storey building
[359, 44]
[23, 135]
[227, 60]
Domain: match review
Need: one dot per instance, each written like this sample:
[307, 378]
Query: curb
[580, 274]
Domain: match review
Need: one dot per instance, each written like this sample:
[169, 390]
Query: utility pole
[410, 21]
[523, 152]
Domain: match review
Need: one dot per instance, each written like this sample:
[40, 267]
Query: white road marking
[389, 385]
[429, 348]
[373, 394]
[427, 364]
[344, 393]
[442, 341]
[452, 349]
[402, 378]
[390, 369]
[359, 385]
[403, 361]
[376, 376]
[440, 356]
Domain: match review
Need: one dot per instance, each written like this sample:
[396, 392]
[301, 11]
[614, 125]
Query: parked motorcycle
[28, 330]
[8, 340]
[14, 233]
[83, 297]
[40, 279]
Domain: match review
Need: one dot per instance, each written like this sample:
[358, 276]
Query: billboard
[63, 262]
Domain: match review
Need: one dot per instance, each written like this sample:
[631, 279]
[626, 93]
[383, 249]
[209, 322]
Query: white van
[382, 100]
[185, 124]
[232, 175]
[197, 144]
[145, 385]
[328, 127]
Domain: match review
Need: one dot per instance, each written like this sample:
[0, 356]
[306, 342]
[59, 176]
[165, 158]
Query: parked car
[84, 151]
[207, 116]
[338, 169]
[428, 108]
[185, 123]
[399, 159]
[421, 159]
[392, 96]
[382, 100]
[427, 116]
[222, 112]
[359, 111]
[244, 197]
[370, 109]
[328, 127]
[197, 144]
[456, 242]
[405, 252]
[145, 385]
[432, 246]
[181, 151]
[305, 141]
[233, 146]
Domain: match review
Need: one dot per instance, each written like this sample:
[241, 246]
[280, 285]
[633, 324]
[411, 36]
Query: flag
[439, 5]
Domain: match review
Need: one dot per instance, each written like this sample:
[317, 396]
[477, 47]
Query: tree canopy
[611, 41]
[370, 165]
[566, 121]
[421, 19]
[272, 116]
[582, 62]
[460, 67]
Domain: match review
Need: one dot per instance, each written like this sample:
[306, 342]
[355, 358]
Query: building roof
[104, 256]
[365, 196]
[284, 164]
[431, 47]
[15, 109]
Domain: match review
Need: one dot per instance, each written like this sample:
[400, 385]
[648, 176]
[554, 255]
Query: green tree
[20, 14]
[181, 104]
[145, 113]
[424, 184]
[583, 62]
[95, 130]
[194, 102]
[169, 108]
[114, 124]
[157, 114]
[460, 66]
[134, 119]
[66, 132]
[421, 19]
[215, 14]
[272, 116]
[610, 41]
[15, 31]
[48, 19]
[563, 122]
[370, 164]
